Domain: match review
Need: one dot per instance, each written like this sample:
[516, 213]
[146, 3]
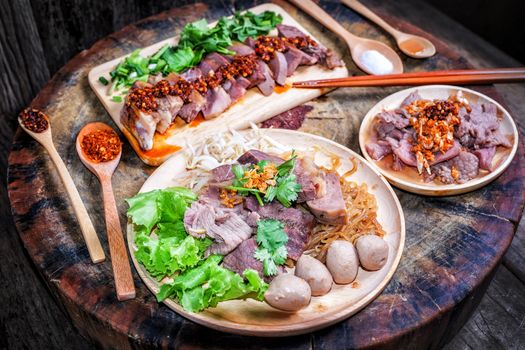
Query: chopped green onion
[117, 99]
[103, 80]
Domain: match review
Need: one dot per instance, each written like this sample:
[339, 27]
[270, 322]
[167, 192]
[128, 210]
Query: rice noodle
[361, 209]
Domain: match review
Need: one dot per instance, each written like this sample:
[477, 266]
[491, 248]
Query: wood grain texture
[50, 329]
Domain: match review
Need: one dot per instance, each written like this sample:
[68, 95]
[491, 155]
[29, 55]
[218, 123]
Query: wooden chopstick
[458, 77]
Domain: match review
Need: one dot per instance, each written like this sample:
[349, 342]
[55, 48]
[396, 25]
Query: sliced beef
[254, 156]
[192, 74]
[403, 150]
[242, 49]
[169, 107]
[140, 124]
[212, 62]
[256, 77]
[242, 258]
[414, 96]
[460, 169]
[189, 111]
[289, 31]
[279, 67]
[267, 85]
[222, 173]
[324, 55]
[226, 228]
[392, 118]
[291, 119]
[217, 101]
[485, 156]
[308, 176]
[480, 127]
[331, 207]
[297, 223]
[293, 58]
[377, 150]
[236, 89]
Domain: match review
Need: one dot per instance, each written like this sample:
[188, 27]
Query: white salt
[376, 63]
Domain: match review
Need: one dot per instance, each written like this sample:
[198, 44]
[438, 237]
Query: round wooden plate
[411, 181]
[250, 317]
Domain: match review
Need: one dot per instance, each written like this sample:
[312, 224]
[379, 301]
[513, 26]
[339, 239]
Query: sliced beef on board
[267, 85]
[142, 125]
[279, 67]
[217, 101]
[226, 228]
[324, 55]
[242, 258]
[212, 62]
[242, 49]
[236, 89]
[298, 223]
[459, 169]
[330, 208]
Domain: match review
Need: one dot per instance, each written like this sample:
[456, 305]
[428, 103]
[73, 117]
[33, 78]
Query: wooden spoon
[371, 56]
[119, 257]
[412, 45]
[86, 226]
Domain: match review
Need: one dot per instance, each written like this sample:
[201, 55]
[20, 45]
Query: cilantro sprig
[272, 240]
[196, 40]
[286, 188]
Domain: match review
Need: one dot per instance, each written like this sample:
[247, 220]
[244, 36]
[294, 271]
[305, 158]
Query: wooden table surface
[451, 254]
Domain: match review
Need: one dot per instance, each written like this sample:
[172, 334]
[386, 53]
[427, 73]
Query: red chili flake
[34, 120]
[101, 145]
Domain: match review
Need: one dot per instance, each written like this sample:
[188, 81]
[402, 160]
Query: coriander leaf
[238, 171]
[271, 234]
[269, 267]
[287, 167]
[280, 254]
[264, 256]
[270, 194]
[262, 164]
[287, 190]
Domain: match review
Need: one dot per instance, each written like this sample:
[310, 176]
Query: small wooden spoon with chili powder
[37, 125]
[100, 148]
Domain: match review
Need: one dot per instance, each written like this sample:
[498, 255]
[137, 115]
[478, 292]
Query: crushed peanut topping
[434, 123]
[229, 198]
[261, 179]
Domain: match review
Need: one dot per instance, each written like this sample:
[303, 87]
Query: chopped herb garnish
[103, 80]
[272, 240]
[267, 182]
[117, 99]
[196, 40]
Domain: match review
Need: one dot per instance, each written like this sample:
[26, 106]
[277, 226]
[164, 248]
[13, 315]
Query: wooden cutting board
[252, 108]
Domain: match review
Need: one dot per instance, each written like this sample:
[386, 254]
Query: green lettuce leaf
[208, 284]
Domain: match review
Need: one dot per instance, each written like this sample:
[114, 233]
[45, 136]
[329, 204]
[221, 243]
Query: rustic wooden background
[38, 37]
